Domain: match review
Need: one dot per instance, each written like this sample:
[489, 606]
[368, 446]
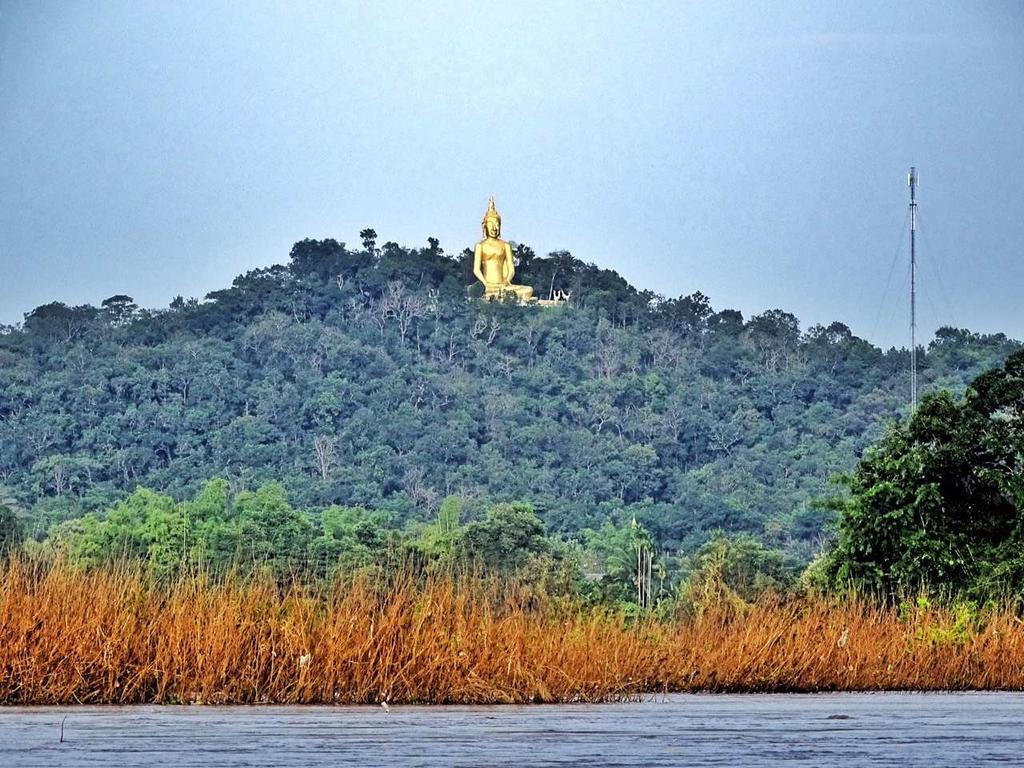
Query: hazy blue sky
[755, 152]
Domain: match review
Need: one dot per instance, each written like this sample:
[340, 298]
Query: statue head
[492, 220]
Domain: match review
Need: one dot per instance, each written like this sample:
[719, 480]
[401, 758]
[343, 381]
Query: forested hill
[363, 376]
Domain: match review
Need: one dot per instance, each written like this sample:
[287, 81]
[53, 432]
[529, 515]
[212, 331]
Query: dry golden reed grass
[112, 637]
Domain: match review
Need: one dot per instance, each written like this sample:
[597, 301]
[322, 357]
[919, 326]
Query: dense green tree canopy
[364, 379]
[939, 502]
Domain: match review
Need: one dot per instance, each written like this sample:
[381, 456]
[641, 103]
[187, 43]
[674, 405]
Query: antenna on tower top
[912, 182]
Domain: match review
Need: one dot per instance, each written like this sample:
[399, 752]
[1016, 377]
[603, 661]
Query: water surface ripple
[818, 730]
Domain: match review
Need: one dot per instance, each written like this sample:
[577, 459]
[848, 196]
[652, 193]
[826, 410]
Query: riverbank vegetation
[116, 636]
[335, 483]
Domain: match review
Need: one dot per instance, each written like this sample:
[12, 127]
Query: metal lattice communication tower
[912, 182]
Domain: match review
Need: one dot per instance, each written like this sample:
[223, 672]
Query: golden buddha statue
[492, 261]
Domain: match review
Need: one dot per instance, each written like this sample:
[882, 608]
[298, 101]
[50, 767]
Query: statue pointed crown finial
[492, 212]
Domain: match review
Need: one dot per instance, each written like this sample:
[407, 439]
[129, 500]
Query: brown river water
[901, 729]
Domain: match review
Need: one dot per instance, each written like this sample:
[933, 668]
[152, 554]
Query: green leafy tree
[144, 525]
[352, 538]
[120, 309]
[506, 538]
[622, 562]
[727, 569]
[443, 540]
[273, 534]
[212, 526]
[939, 503]
[11, 534]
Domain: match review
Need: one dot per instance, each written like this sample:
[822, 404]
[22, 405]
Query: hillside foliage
[367, 378]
